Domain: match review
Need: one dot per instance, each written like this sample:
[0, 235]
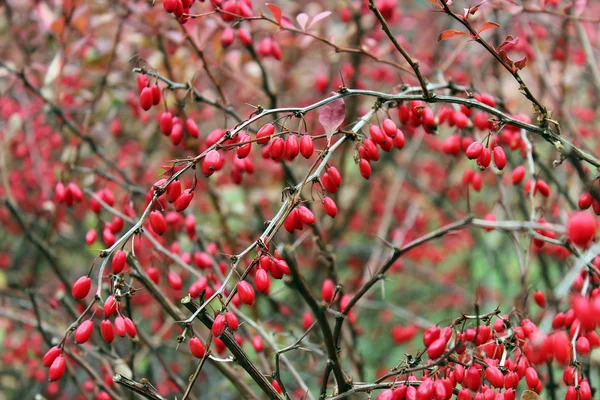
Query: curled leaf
[520, 64]
[450, 33]
[332, 115]
[488, 25]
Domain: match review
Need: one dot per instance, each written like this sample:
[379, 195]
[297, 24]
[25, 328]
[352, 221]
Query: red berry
[307, 146]
[130, 327]
[495, 377]
[399, 140]
[232, 320]
[531, 377]
[474, 150]
[196, 347]
[51, 355]
[81, 288]
[581, 228]
[291, 222]
[146, 98]
[484, 160]
[437, 348]
[57, 369]
[291, 147]
[365, 168]
[582, 346]
[257, 343]
[585, 201]
[263, 135]
[330, 207]
[499, 157]
[184, 199]
[107, 331]
[539, 298]
[389, 127]
[243, 150]
[306, 216]
[261, 280]
[174, 280]
[328, 290]
[142, 81]
[518, 174]
[84, 331]
[120, 328]
[218, 326]
[245, 292]
[277, 149]
[158, 223]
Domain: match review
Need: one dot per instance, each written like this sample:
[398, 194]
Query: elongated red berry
[107, 331]
[518, 174]
[292, 148]
[118, 261]
[307, 146]
[245, 292]
[120, 328]
[192, 128]
[244, 150]
[57, 369]
[327, 290]
[184, 200]
[196, 347]
[539, 298]
[158, 223]
[90, 236]
[81, 287]
[84, 331]
[146, 98]
[291, 221]
[499, 157]
[474, 150]
[130, 327]
[257, 343]
[263, 135]
[262, 281]
[218, 326]
[51, 355]
[377, 134]
[399, 140]
[484, 159]
[211, 163]
[330, 207]
[174, 280]
[390, 128]
[232, 321]
[277, 149]
[306, 216]
[365, 168]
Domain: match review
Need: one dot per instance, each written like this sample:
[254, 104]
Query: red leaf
[332, 116]
[488, 25]
[276, 11]
[520, 64]
[450, 33]
[509, 40]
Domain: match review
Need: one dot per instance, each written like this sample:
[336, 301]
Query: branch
[414, 65]
[240, 355]
[143, 388]
[343, 383]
